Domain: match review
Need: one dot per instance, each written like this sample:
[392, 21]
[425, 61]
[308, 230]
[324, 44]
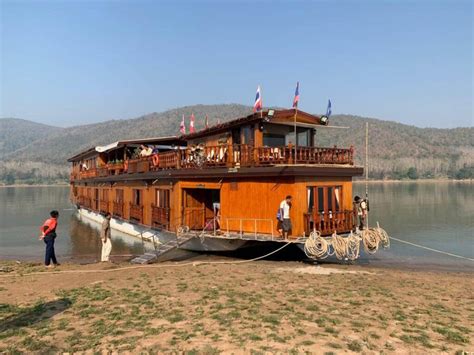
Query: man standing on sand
[105, 238]
[285, 226]
[48, 235]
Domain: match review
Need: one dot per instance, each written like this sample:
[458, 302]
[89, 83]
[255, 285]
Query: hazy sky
[74, 62]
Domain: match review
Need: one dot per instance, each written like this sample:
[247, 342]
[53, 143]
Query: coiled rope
[316, 247]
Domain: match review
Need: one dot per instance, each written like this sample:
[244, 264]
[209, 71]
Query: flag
[297, 95]
[257, 106]
[182, 126]
[191, 124]
[207, 122]
[328, 110]
[218, 121]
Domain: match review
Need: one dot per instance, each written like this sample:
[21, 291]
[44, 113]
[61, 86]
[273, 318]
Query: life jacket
[49, 226]
[155, 159]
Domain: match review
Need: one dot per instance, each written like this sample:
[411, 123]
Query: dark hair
[287, 197]
[357, 198]
[54, 214]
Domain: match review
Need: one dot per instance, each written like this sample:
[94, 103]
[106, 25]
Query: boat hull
[139, 232]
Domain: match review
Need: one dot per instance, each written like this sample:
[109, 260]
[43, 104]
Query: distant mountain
[16, 133]
[33, 152]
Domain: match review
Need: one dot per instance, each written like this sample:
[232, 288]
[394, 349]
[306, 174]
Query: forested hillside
[35, 153]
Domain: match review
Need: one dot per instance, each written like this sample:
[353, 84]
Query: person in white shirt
[285, 225]
[145, 151]
[361, 208]
[105, 236]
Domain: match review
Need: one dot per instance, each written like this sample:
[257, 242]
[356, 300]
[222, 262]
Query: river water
[438, 215]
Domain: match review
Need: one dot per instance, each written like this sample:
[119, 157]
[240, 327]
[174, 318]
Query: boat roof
[286, 116]
[277, 116]
[163, 141]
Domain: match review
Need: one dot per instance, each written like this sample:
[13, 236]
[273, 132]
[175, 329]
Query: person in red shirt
[48, 235]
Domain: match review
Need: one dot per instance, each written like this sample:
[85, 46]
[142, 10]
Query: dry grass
[251, 308]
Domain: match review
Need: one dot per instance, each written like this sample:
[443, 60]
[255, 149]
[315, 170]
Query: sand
[255, 307]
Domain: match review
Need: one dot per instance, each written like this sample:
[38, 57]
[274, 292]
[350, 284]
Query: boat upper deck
[255, 142]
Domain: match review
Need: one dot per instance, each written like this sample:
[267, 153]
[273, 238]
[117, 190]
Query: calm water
[438, 215]
[24, 209]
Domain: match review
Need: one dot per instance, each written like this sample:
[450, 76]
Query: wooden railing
[136, 212]
[84, 201]
[104, 206]
[160, 216]
[102, 171]
[87, 174]
[169, 160]
[228, 156]
[328, 223]
[117, 208]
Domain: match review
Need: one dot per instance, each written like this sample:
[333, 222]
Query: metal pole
[296, 138]
[367, 168]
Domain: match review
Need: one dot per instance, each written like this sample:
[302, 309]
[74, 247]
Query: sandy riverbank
[256, 307]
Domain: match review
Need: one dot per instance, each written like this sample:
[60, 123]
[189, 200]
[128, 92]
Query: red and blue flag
[257, 106]
[297, 95]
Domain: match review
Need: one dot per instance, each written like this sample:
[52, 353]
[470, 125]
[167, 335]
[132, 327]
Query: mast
[367, 167]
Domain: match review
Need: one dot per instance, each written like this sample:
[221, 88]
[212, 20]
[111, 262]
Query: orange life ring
[125, 165]
[155, 159]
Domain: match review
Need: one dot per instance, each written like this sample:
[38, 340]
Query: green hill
[31, 152]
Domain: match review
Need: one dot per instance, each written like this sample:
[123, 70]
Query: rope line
[155, 266]
[431, 249]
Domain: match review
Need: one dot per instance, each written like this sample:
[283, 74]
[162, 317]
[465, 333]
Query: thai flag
[328, 110]
[191, 124]
[297, 95]
[182, 126]
[257, 106]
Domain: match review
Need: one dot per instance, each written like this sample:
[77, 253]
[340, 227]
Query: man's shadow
[23, 317]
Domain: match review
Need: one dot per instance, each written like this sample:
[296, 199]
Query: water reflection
[437, 215]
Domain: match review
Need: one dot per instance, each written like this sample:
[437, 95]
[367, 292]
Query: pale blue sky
[74, 62]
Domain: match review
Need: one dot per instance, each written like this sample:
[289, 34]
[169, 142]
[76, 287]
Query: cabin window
[304, 137]
[119, 195]
[247, 135]
[280, 135]
[137, 197]
[104, 195]
[273, 140]
[324, 198]
[162, 198]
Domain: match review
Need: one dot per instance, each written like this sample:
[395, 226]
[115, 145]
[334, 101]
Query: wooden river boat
[220, 188]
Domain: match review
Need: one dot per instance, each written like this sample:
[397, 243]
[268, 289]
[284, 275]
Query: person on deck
[105, 235]
[48, 235]
[145, 151]
[361, 208]
[285, 226]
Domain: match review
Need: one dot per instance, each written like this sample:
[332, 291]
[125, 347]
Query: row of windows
[162, 196]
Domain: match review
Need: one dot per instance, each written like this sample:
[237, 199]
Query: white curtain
[336, 193]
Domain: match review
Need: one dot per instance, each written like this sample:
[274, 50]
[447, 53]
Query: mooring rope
[154, 266]
[431, 249]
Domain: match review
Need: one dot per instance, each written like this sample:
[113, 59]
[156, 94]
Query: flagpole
[296, 138]
[367, 168]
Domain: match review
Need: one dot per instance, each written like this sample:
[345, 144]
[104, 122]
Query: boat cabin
[228, 179]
